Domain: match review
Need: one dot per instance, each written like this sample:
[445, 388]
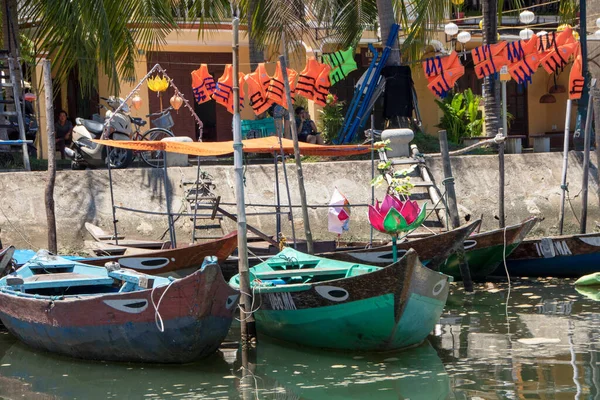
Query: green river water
[544, 345]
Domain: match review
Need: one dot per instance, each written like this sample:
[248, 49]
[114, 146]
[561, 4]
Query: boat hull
[562, 256]
[389, 309]
[197, 312]
[483, 251]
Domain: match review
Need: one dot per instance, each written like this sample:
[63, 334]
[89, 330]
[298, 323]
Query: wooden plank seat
[34, 266]
[300, 272]
[62, 280]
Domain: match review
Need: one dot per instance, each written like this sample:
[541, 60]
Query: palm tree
[491, 97]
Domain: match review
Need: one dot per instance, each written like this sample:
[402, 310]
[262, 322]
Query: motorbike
[86, 153]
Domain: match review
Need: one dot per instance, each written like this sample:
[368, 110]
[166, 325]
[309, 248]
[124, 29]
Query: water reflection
[541, 342]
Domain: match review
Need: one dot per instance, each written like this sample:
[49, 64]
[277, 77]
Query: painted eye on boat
[133, 306]
[332, 293]
[437, 289]
[231, 301]
[469, 244]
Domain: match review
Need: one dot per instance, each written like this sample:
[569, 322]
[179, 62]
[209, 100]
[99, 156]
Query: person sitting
[63, 128]
[307, 130]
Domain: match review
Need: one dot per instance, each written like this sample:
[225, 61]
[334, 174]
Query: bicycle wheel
[155, 159]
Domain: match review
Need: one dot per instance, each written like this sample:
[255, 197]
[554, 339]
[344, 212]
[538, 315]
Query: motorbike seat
[92, 126]
[138, 121]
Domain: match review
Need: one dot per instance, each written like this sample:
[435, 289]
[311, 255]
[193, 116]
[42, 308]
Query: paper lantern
[136, 102]
[597, 34]
[457, 2]
[541, 33]
[481, 24]
[451, 29]
[598, 23]
[176, 101]
[464, 37]
[526, 17]
[158, 84]
[525, 34]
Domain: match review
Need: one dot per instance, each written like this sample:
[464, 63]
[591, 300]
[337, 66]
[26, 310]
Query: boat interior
[63, 278]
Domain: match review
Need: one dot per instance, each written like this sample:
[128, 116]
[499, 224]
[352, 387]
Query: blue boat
[568, 256]
[114, 314]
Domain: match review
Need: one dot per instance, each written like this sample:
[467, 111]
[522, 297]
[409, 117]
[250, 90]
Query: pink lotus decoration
[394, 216]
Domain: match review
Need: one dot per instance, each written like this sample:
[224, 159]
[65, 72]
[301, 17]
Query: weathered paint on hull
[482, 262]
[367, 325]
[184, 340]
[573, 266]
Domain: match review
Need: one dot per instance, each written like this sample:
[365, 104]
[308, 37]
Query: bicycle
[153, 158]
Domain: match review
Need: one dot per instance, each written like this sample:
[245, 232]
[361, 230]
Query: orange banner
[269, 144]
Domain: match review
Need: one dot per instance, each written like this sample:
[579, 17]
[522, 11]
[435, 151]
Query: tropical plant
[332, 117]
[462, 117]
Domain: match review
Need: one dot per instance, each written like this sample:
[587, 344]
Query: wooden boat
[323, 303]
[484, 251]
[106, 238]
[6, 260]
[117, 314]
[567, 256]
[182, 260]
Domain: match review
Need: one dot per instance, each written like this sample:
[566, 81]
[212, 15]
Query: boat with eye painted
[314, 301]
[116, 314]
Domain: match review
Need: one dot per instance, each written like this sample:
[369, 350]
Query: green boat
[484, 251]
[314, 301]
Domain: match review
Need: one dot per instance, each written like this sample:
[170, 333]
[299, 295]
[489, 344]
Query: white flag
[338, 217]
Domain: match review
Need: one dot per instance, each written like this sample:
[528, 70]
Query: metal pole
[246, 324]
[501, 217]
[372, 171]
[563, 183]
[453, 209]
[277, 197]
[586, 162]
[504, 109]
[288, 96]
[168, 201]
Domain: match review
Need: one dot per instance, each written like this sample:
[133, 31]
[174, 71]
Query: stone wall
[533, 187]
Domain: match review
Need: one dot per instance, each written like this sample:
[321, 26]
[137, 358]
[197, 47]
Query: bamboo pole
[563, 182]
[288, 96]
[51, 217]
[501, 176]
[246, 322]
[453, 209]
[586, 161]
[172, 238]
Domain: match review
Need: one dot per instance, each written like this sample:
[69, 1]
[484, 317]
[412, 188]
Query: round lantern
[136, 102]
[597, 34]
[176, 101]
[451, 29]
[464, 37]
[526, 17]
[598, 22]
[541, 33]
[526, 34]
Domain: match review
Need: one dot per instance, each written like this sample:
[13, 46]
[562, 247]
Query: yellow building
[185, 51]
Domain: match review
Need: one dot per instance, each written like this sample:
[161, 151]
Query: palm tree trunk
[385, 10]
[255, 50]
[491, 86]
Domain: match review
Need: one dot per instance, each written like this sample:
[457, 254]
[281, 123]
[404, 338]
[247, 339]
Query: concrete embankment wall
[532, 187]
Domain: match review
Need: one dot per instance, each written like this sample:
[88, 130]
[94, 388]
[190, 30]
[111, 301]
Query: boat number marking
[131, 306]
[231, 300]
[332, 293]
[437, 289]
[281, 301]
[548, 248]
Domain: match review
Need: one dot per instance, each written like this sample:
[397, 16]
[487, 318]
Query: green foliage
[332, 118]
[462, 117]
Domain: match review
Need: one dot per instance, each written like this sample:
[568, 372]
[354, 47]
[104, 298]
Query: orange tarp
[269, 144]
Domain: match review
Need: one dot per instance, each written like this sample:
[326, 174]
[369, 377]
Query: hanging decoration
[176, 101]
[338, 216]
[451, 29]
[442, 73]
[525, 34]
[341, 63]
[158, 84]
[526, 17]
[464, 37]
[258, 84]
[203, 84]
[136, 101]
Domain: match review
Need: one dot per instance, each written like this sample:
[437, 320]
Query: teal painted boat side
[482, 262]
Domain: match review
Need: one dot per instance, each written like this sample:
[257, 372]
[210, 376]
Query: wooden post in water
[563, 182]
[288, 96]
[247, 325]
[50, 216]
[501, 217]
[453, 208]
[586, 161]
